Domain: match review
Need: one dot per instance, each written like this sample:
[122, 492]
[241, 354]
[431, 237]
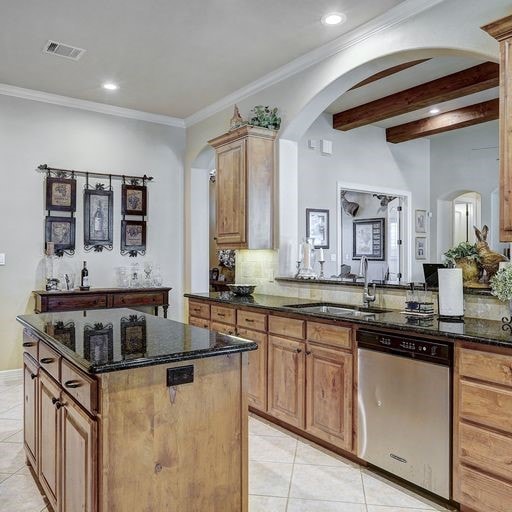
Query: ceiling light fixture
[110, 86]
[334, 18]
[434, 111]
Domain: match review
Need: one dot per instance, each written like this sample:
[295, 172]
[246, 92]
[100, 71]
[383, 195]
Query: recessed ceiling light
[334, 18]
[434, 111]
[110, 86]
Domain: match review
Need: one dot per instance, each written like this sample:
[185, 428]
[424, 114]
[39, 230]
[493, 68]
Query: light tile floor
[286, 473]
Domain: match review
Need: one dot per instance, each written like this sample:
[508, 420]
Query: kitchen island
[126, 411]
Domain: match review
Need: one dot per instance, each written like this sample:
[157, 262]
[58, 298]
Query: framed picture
[64, 333]
[98, 219]
[369, 237]
[421, 248]
[99, 343]
[133, 337]
[134, 200]
[60, 194]
[317, 227]
[420, 221]
[61, 232]
[133, 237]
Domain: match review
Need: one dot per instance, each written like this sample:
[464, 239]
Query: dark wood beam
[469, 81]
[453, 120]
[388, 72]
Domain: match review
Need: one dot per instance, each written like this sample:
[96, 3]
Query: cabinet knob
[47, 360]
[72, 384]
[58, 404]
[308, 352]
[299, 350]
[28, 344]
[33, 376]
[54, 400]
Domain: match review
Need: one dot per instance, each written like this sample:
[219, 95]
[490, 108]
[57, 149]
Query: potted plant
[466, 257]
[266, 117]
[501, 285]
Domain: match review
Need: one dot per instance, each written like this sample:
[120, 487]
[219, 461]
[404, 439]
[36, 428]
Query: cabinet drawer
[223, 328]
[289, 327]
[199, 322]
[138, 299]
[80, 386]
[487, 450]
[484, 366]
[77, 302]
[335, 335]
[486, 405]
[49, 360]
[199, 309]
[30, 344]
[483, 493]
[223, 314]
[251, 320]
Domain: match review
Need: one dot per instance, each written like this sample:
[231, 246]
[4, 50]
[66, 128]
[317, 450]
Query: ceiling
[169, 57]
[427, 71]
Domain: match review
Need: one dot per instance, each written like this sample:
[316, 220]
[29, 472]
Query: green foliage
[265, 117]
[501, 284]
[461, 251]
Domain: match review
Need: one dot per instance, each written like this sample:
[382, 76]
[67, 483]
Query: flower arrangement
[266, 117]
[501, 284]
[464, 250]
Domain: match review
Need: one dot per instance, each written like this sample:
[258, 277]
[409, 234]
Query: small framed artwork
[98, 219]
[134, 200]
[420, 221]
[133, 337]
[421, 248]
[317, 227]
[61, 232]
[133, 237]
[64, 333]
[369, 239]
[99, 343]
[60, 194]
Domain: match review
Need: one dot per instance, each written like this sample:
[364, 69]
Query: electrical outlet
[2, 258]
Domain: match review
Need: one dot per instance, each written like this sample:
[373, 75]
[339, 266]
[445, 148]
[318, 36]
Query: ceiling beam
[469, 81]
[453, 120]
[388, 72]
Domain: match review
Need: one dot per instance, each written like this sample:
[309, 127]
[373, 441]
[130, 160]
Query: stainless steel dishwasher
[404, 405]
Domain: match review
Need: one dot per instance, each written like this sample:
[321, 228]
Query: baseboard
[11, 373]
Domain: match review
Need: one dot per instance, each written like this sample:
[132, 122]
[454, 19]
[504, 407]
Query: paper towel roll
[451, 293]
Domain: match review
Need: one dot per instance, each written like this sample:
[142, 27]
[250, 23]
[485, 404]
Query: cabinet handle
[221, 314]
[28, 344]
[249, 320]
[72, 384]
[299, 350]
[58, 404]
[308, 352]
[33, 376]
[47, 360]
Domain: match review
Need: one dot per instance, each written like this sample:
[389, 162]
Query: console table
[101, 298]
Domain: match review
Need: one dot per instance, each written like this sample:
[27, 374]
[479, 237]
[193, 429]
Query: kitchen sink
[338, 309]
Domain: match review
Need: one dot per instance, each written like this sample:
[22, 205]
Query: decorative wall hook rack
[65, 172]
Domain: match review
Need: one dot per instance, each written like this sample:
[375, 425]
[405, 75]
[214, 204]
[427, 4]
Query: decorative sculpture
[349, 207]
[489, 260]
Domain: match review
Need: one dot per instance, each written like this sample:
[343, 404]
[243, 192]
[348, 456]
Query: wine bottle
[84, 282]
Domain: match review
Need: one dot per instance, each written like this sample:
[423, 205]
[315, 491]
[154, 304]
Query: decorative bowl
[242, 289]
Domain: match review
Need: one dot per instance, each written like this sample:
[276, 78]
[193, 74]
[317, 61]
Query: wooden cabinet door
[78, 449]
[30, 412]
[257, 375]
[49, 414]
[329, 395]
[231, 194]
[286, 380]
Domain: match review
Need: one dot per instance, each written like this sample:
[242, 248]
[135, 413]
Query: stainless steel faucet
[363, 272]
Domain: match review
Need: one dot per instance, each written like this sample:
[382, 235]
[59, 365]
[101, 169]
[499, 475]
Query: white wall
[464, 160]
[32, 133]
[361, 157]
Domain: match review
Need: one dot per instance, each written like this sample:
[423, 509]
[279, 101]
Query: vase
[470, 272]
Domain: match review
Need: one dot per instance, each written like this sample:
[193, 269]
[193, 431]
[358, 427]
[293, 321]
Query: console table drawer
[77, 302]
[30, 344]
[80, 386]
[199, 322]
[251, 320]
[138, 299]
[223, 314]
[496, 368]
[49, 360]
[199, 309]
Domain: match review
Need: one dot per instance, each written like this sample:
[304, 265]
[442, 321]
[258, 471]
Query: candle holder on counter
[321, 276]
[307, 249]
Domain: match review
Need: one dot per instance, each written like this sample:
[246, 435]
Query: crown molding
[102, 108]
[399, 14]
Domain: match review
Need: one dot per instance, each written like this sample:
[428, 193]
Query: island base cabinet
[329, 395]
[30, 403]
[180, 448]
[78, 458]
[286, 380]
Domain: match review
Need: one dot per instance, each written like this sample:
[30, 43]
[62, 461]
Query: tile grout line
[291, 476]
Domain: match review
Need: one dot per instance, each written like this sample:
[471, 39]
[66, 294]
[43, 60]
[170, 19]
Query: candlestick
[298, 269]
[321, 276]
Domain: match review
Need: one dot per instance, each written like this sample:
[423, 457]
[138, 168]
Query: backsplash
[261, 267]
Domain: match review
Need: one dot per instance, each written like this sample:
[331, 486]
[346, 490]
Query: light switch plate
[2, 258]
[326, 147]
[312, 143]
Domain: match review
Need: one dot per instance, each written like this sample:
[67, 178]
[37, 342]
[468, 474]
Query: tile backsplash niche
[260, 267]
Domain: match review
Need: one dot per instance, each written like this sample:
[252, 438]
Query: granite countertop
[107, 340]
[477, 330]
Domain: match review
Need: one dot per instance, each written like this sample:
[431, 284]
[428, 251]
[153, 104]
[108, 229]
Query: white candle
[307, 255]
[321, 255]
[299, 254]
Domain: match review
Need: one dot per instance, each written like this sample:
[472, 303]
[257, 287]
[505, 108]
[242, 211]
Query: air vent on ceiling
[63, 50]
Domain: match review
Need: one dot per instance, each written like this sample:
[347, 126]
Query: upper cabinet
[245, 163]
[501, 30]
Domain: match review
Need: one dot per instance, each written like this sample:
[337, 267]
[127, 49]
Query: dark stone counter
[478, 330]
[107, 340]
